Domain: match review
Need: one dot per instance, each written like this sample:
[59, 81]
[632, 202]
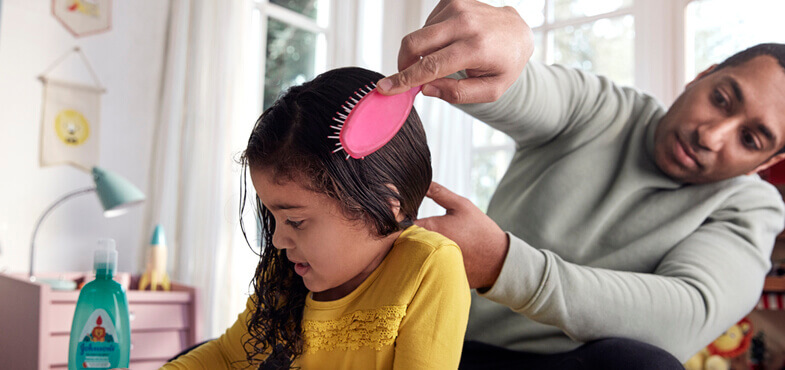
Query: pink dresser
[35, 322]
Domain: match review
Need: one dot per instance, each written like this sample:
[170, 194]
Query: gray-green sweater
[603, 244]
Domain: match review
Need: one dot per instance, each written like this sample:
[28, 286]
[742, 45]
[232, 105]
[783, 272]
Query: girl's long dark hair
[290, 139]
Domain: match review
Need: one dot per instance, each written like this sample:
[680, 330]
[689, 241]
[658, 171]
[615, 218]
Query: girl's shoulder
[417, 250]
[423, 243]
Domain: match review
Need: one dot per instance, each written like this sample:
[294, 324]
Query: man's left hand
[483, 243]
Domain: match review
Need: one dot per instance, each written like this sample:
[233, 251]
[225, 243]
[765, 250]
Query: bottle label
[98, 347]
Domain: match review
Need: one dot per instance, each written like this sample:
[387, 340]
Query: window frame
[267, 9]
[660, 50]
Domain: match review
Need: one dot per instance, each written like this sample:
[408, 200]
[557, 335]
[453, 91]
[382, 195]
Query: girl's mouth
[302, 268]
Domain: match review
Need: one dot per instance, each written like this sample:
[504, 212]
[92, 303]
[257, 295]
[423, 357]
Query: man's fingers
[426, 40]
[466, 91]
[445, 197]
[432, 66]
[427, 223]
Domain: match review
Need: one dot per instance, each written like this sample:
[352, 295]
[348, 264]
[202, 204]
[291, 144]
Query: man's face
[727, 123]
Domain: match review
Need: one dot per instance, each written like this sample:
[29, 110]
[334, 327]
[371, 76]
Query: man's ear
[770, 162]
[701, 75]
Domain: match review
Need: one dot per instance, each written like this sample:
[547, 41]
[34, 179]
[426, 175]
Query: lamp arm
[47, 212]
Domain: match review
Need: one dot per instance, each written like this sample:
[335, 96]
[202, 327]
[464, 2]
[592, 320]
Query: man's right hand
[491, 44]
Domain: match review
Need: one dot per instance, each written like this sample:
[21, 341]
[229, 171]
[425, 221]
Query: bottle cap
[105, 256]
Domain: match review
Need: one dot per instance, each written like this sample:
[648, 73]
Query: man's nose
[713, 135]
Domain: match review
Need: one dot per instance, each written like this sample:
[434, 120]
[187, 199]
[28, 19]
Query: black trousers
[604, 354]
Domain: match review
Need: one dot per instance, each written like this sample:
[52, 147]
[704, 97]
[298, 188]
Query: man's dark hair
[774, 50]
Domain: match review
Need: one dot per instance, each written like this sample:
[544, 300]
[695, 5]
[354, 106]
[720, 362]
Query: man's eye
[719, 99]
[294, 224]
[748, 139]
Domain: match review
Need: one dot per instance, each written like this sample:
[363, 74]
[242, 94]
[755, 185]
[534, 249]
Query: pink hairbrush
[370, 120]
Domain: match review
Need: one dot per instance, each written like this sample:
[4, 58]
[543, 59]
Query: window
[716, 29]
[594, 35]
[295, 43]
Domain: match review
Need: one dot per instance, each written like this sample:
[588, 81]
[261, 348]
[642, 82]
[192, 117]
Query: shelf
[774, 284]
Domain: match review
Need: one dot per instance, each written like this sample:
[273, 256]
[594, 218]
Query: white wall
[128, 60]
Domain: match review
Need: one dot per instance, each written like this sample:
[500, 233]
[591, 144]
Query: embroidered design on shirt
[366, 328]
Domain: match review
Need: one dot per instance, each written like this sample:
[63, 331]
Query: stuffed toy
[716, 356]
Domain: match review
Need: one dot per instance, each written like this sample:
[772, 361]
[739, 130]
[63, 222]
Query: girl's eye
[294, 224]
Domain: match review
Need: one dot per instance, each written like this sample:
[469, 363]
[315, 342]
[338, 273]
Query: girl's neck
[333, 294]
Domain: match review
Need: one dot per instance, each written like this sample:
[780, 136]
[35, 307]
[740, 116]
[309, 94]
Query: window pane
[720, 28]
[291, 57]
[532, 11]
[604, 47]
[309, 8]
[487, 170]
[484, 135]
[568, 9]
[539, 48]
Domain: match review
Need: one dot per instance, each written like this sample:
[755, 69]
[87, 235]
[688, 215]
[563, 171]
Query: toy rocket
[155, 276]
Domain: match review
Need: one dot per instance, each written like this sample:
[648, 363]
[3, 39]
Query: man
[630, 229]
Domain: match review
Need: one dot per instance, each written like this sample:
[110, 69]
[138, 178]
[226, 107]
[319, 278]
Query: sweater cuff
[521, 276]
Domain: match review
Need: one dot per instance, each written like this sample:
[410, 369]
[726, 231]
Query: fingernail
[431, 91]
[385, 84]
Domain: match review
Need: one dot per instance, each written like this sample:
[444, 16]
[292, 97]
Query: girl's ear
[395, 205]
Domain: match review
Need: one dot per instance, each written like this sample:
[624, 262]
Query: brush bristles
[346, 108]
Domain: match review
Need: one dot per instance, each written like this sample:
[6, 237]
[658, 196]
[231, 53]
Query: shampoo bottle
[100, 333]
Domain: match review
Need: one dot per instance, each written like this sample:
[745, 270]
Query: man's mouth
[685, 155]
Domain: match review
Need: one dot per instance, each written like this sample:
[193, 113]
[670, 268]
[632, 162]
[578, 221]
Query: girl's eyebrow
[276, 207]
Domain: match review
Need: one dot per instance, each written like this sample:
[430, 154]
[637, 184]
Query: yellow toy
[716, 356]
[155, 276]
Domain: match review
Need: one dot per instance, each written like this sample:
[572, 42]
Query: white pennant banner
[70, 127]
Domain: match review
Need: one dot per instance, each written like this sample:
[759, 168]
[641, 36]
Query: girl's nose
[281, 240]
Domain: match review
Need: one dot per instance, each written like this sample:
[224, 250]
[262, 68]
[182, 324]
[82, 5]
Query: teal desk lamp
[116, 194]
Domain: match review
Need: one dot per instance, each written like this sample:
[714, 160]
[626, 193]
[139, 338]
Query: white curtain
[201, 127]
[449, 133]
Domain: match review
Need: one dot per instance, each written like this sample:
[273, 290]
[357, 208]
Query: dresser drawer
[158, 316]
[135, 365]
[162, 323]
[148, 346]
[142, 316]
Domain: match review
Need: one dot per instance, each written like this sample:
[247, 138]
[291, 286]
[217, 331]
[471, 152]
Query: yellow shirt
[410, 313]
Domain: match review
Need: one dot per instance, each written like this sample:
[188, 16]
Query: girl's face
[332, 253]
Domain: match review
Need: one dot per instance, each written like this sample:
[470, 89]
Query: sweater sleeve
[701, 287]
[431, 333]
[549, 101]
[226, 352]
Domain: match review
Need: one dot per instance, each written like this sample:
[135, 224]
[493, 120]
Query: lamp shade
[115, 192]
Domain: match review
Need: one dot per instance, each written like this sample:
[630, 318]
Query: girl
[345, 279]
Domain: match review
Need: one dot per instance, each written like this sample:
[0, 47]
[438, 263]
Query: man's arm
[550, 101]
[704, 285]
